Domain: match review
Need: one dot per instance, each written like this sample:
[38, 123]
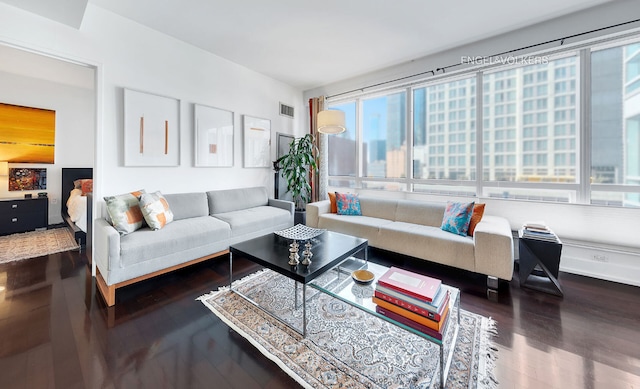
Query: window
[615, 126]
[531, 132]
[460, 131]
[536, 117]
[342, 147]
[384, 132]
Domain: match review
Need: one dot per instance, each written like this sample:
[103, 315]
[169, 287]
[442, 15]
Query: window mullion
[479, 135]
[584, 193]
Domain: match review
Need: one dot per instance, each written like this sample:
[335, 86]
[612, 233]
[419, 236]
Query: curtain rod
[443, 69]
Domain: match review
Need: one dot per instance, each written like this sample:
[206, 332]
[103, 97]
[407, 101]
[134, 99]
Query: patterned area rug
[35, 243]
[346, 347]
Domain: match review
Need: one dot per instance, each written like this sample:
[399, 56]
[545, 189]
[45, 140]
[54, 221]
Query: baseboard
[611, 264]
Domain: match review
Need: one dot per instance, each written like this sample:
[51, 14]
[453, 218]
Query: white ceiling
[308, 44]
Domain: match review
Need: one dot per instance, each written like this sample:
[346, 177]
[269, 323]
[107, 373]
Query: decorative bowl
[362, 276]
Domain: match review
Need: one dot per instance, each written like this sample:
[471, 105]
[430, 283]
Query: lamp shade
[4, 168]
[331, 122]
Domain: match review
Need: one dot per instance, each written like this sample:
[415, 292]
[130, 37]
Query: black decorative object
[539, 265]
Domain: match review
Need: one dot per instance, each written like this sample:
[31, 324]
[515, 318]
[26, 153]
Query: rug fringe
[250, 338]
[236, 282]
[486, 379]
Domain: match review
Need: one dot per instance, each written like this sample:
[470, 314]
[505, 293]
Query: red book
[410, 323]
[416, 285]
[412, 307]
[434, 306]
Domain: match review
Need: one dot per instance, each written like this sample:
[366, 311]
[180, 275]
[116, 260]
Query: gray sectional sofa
[413, 228]
[204, 226]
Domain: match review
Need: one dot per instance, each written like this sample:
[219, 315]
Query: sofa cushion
[245, 221]
[361, 226]
[348, 204]
[188, 205]
[427, 242]
[379, 208]
[124, 212]
[457, 217]
[178, 236]
[420, 212]
[155, 210]
[222, 201]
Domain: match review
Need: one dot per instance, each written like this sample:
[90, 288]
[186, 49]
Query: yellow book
[436, 325]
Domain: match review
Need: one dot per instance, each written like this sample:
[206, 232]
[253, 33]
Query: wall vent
[286, 110]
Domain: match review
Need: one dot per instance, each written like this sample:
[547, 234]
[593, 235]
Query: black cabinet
[21, 215]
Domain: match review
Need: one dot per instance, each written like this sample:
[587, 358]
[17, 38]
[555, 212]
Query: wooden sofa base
[108, 292]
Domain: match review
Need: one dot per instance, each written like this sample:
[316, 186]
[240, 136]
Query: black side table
[539, 265]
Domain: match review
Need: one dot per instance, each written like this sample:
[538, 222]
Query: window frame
[580, 191]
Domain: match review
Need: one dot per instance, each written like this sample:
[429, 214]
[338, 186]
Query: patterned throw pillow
[476, 216]
[87, 186]
[457, 217]
[348, 204]
[155, 210]
[125, 212]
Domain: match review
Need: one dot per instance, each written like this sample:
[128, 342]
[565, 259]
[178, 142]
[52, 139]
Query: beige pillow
[124, 211]
[155, 210]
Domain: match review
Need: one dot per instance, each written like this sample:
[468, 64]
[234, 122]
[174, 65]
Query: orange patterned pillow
[125, 212]
[334, 204]
[478, 212]
[87, 186]
[155, 210]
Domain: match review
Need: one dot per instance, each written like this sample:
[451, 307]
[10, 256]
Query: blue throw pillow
[348, 204]
[457, 217]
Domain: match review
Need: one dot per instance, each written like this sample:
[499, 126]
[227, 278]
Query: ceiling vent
[286, 110]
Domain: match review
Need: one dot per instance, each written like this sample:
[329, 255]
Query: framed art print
[213, 136]
[151, 129]
[257, 141]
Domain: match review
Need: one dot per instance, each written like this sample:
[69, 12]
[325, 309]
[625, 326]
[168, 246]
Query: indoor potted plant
[296, 167]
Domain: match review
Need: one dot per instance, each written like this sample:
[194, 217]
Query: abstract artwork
[27, 134]
[213, 136]
[257, 141]
[151, 129]
[27, 179]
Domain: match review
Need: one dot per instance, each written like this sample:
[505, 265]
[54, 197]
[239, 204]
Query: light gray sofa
[413, 228]
[204, 226]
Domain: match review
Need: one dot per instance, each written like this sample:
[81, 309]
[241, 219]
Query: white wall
[129, 55]
[75, 129]
[599, 241]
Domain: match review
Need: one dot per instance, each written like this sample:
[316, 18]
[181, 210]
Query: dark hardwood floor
[56, 332]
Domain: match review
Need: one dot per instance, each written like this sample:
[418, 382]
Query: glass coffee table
[330, 250]
[335, 256]
[360, 295]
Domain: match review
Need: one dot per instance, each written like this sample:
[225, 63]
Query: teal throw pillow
[457, 217]
[348, 204]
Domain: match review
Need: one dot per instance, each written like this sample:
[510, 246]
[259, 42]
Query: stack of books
[415, 300]
[538, 231]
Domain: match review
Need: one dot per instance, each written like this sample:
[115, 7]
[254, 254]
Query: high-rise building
[631, 114]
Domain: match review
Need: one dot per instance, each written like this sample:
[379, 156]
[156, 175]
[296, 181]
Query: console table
[539, 265]
[22, 215]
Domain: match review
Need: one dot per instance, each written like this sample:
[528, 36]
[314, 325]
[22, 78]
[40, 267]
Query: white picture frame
[213, 136]
[257, 142]
[151, 129]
